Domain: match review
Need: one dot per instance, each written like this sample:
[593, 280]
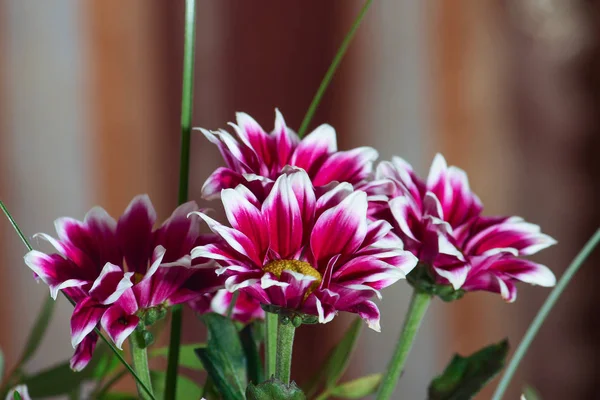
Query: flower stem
[187, 96]
[285, 344]
[543, 313]
[416, 311]
[270, 344]
[140, 364]
[332, 68]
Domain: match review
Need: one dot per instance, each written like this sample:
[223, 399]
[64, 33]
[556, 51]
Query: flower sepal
[153, 314]
[291, 316]
[423, 281]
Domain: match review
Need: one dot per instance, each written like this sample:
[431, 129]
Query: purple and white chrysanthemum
[245, 309]
[259, 158]
[309, 255]
[439, 220]
[117, 270]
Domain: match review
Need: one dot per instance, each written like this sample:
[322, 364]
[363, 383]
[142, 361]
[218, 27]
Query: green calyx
[423, 281]
[274, 389]
[291, 316]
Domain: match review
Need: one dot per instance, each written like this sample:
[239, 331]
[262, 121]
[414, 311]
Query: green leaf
[17, 395]
[61, 379]
[38, 331]
[1, 365]
[274, 389]
[187, 356]
[531, 394]
[358, 388]
[337, 360]
[118, 396]
[253, 361]
[224, 357]
[465, 376]
[186, 388]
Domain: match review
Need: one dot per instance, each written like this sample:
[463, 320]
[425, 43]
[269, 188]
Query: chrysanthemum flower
[308, 255]
[119, 272]
[245, 309]
[259, 159]
[439, 220]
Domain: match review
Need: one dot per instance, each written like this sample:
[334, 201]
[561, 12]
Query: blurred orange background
[506, 89]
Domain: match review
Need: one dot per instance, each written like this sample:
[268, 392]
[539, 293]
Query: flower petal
[110, 284]
[246, 218]
[347, 166]
[285, 140]
[83, 352]
[86, 316]
[314, 149]
[118, 324]
[134, 232]
[178, 233]
[283, 216]
[221, 178]
[55, 271]
[342, 229]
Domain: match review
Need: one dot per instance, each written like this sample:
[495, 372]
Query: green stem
[270, 344]
[332, 68]
[100, 334]
[231, 306]
[187, 96]
[416, 311]
[140, 363]
[543, 313]
[285, 345]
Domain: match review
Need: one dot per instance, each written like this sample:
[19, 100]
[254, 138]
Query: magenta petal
[221, 178]
[55, 271]
[253, 136]
[248, 219]
[314, 149]
[510, 233]
[134, 231]
[235, 239]
[285, 140]
[305, 194]
[86, 316]
[371, 271]
[347, 166]
[452, 269]
[342, 229]
[83, 352]
[283, 216]
[178, 233]
[118, 324]
[525, 271]
[369, 312]
[110, 284]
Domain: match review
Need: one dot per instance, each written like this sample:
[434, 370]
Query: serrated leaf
[337, 360]
[274, 389]
[253, 362]
[186, 388]
[465, 376]
[358, 388]
[187, 355]
[38, 331]
[218, 366]
[224, 357]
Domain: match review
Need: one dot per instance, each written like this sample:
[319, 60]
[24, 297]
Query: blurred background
[506, 89]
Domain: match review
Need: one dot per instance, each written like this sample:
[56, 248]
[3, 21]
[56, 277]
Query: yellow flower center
[278, 266]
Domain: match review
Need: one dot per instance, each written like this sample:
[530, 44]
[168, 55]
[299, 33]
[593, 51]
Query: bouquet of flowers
[310, 231]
